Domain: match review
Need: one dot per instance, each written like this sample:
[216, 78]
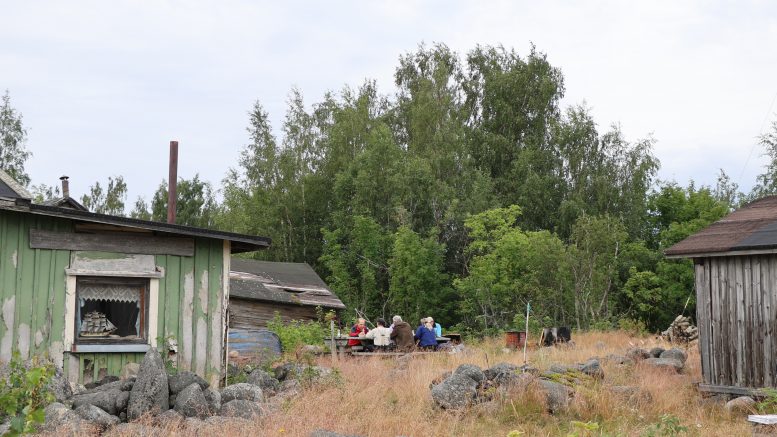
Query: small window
[111, 310]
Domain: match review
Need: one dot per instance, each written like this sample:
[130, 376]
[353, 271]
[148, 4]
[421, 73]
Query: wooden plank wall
[32, 300]
[32, 288]
[737, 319]
[249, 314]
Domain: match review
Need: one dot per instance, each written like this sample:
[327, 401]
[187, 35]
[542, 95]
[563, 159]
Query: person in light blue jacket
[437, 327]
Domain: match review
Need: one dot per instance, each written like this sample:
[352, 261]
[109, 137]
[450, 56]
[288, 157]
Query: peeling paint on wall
[24, 340]
[56, 353]
[203, 292]
[202, 345]
[187, 310]
[9, 305]
[38, 338]
[14, 258]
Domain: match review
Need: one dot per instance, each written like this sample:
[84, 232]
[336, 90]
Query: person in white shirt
[380, 335]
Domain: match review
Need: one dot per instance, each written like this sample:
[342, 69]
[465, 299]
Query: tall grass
[389, 397]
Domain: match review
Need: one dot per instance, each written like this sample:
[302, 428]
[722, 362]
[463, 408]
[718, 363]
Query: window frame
[143, 335]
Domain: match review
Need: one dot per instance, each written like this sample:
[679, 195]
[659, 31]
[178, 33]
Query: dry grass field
[377, 398]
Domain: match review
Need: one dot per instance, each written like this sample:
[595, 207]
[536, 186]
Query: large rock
[137, 429]
[499, 371]
[191, 402]
[122, 400]
[97, 416]
[675, 354]
[471, 371]
[183, 379]
[267, 382]
[169, 419]
[105, 400]
[742, 405]
[637, 354]
[288, 371]
[665, 363]
[592, 368]
[150, 394]
[619, 360]
[60, 388]
[214, 399]
[557, 395]
[457, 391]
[60, 417]
[243, 392]
[121, 385]
[656, 352]
[241, 408]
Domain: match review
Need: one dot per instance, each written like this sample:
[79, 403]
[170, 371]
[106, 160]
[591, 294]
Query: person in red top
[358, 330]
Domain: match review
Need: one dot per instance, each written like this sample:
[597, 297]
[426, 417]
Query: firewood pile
[681, 331]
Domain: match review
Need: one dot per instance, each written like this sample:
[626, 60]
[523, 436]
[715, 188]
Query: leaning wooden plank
[40, 239]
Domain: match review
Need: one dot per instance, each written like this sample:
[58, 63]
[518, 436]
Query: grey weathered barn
[735, 263]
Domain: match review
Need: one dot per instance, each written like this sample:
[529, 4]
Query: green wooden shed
[93, 292]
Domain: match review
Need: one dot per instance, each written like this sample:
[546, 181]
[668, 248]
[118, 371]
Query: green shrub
[669, 426]
[768, 404]
[25, 394]
[297, 332]
[633, 326]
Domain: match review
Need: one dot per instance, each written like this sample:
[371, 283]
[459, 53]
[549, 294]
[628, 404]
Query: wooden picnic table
[341, 342]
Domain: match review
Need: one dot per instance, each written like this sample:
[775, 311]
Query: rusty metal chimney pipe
[172, 195]
[65, 186]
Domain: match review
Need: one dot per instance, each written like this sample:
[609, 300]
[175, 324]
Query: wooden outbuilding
[94, 292]
[735, 262]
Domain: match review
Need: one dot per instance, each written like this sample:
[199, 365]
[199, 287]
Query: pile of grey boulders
[671, 359]
[182, 397]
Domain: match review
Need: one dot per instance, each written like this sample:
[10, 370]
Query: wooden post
[332, 346]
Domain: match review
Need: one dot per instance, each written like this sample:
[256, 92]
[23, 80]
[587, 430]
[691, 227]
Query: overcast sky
[104, 86]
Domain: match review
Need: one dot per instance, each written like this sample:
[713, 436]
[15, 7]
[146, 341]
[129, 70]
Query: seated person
[380, 336]
[425, 336]
[358, 330]
[437, 327]
[402, 334]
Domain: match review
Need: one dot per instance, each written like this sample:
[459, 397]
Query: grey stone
[637, 354]
[560, 368]
[674, 353]
[169, 418]
[214, 399]
[191, 402]
[241, 408]
[243, 392]
[457, 391]
[60, 388]
[656, 352]
[665, 363]
[592, 368]
[121, 385]
[60, 417]
[619, 359]
[105, 400]
[137, 429]
[498, 370]
[183, 379]
[95, 415]
[288, 370]
[150, 393]
[267, 382]
[130, 370]
[122, 400]
[741, 406]
[471, 371]
[557, 395]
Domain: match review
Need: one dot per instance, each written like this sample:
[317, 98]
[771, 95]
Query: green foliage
[668, 426]
[297, 333]
[767, 404]
[583, 429]
[195, 204]
[109, 200]
[13, 139]
[25, 394]
[634, 327]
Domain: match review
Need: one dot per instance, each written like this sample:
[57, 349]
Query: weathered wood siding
[33, 288]
[250, 314]
[737, 318]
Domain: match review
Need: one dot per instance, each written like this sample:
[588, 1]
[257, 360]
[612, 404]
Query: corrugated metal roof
[292, 283]
[752, 227]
